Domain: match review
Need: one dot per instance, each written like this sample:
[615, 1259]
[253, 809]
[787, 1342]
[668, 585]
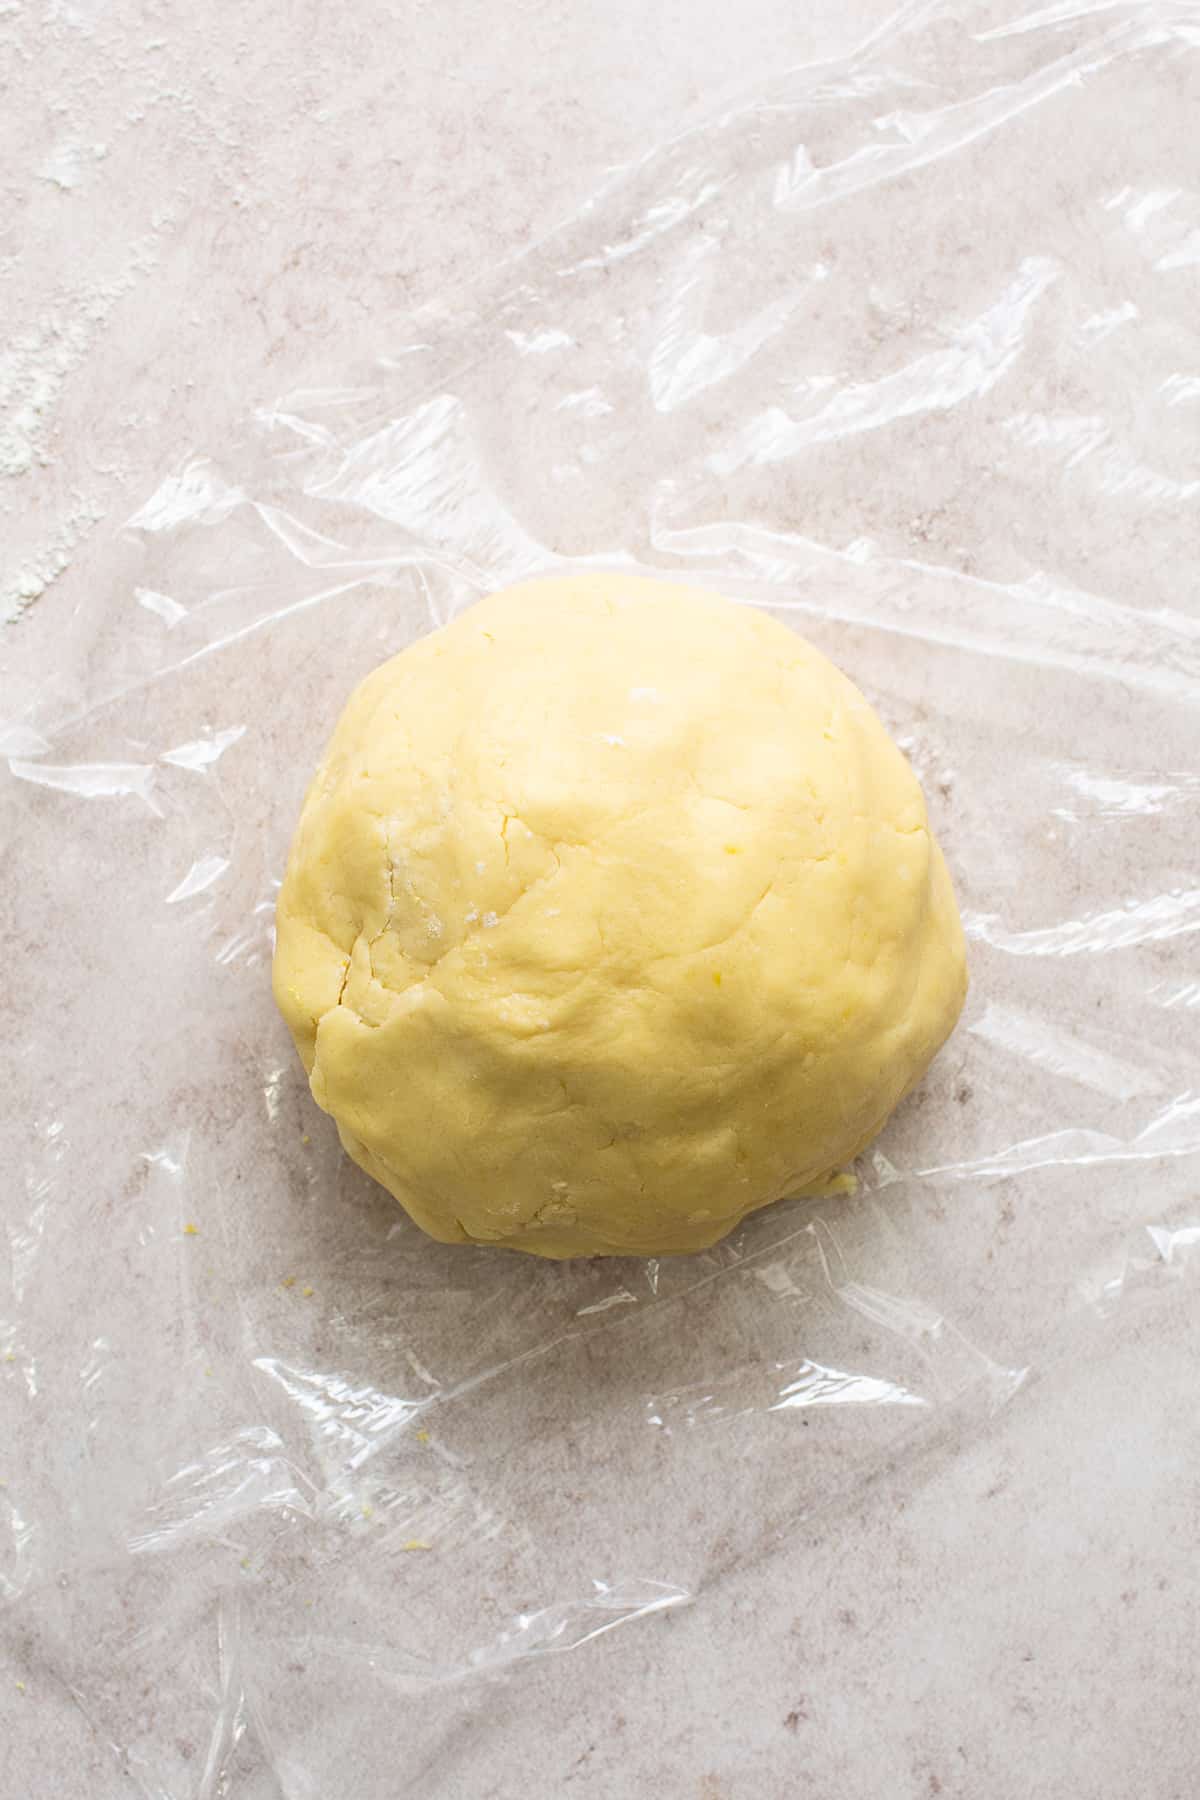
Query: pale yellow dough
[613, 913]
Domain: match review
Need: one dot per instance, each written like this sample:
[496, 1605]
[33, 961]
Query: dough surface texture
[612, 914]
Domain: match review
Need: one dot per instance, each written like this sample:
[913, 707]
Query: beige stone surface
[314, 323]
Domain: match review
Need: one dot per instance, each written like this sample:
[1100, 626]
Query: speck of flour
[68, 163]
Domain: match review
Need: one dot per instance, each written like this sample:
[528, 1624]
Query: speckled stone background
[972, 473]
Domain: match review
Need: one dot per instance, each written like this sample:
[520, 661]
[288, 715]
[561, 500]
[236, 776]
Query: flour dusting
[36, 364]
[19, 590]
[38, 360]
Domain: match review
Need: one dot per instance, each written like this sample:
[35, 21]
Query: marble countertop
[315, 323]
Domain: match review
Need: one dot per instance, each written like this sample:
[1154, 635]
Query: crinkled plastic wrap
[905, 347]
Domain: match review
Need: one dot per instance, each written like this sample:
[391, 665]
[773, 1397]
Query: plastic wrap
[872, 350]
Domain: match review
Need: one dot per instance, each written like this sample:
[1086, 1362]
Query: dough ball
[612, 914]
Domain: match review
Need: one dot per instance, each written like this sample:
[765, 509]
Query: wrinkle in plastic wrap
[905, 347]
